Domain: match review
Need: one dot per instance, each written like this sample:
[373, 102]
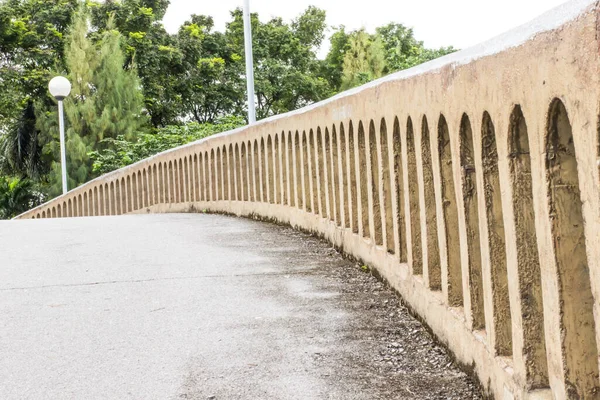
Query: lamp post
[249, 63]
[60, 87]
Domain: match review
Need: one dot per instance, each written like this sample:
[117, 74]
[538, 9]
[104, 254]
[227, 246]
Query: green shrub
[119, 153]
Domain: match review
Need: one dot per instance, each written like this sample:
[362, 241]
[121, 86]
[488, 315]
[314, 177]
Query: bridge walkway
[193, 306]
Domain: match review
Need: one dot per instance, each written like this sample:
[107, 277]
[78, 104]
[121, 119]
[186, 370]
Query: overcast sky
[458, 23]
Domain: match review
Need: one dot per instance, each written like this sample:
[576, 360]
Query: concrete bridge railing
[471, 184]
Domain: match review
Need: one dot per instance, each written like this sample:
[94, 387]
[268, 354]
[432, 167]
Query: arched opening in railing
[285, 170]
[290, 170]
[156, 181]
[284, 167]
[336, 176]
[320, 162]
[413, 200]
[453, 276]
[93, 198]
[305, 159]
[103, 201]
[111, 200]
[312, 159]
[220, 164]
[388, 218]
[178, 176]
[106, 200]
[345, 198]
[264, 190]
[186, 182]
[117, 199]
[580, 352]
[298, 188]
[212, 175]
[195, 175]
[184, 186]
[375, 204]
[170, 181]
[276, 171]
[531, 314]
[244, 173]
[256, 168]
[400, 190]
[328, 177]
[246, 162]
[178, 180]
[431, 269]
[363, 182]
[471, 208]
[160, 187]
[226, 172]
[79, 206]
[204, 176]
[143, 188]
[135, 185]
[352, 173]
[501, 318]
[238, 174]
[270, 172]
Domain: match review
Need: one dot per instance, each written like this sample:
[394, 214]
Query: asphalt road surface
[191, 306]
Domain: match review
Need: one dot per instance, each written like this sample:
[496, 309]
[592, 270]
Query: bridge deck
[202, 306]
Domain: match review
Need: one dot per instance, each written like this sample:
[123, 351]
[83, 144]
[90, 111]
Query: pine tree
[364, 60]
[118, 96]
[105, 102]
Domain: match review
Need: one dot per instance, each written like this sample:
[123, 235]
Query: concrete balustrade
[471, 184]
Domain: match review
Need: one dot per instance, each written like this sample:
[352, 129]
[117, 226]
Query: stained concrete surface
[188, 306]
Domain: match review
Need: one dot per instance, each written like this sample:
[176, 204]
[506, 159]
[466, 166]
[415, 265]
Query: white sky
[458, 23]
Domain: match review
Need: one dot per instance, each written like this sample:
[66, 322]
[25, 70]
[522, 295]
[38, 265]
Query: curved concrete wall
[471, 184]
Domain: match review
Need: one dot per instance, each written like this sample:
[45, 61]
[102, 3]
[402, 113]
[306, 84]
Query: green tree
[31, 46]
[105, 102]
[22, 154]
[150, 48]
[120, 152]
[309, 27]
[211, 85]
[332, 68]
[17, 196]
[358, 57]
[286, 69]
[118, 97]
[403, 51]
[364, 59]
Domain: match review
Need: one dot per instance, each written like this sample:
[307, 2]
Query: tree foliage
[20, 146]
[120, 152]
[358, 57]
[286, 69]
[403, 51]
[147, 45]
[212, 84]
[17, 196]
[364, 60]
[105, 102]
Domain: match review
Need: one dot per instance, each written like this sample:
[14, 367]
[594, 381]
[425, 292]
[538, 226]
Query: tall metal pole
[63, 156]
[249, 63]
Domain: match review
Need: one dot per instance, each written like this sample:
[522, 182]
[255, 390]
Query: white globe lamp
[60, 87]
